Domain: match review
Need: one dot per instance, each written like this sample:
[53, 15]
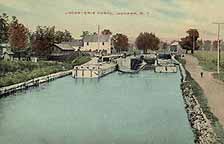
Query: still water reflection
[146, 108]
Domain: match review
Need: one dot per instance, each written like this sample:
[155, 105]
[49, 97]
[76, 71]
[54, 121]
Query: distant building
[5, 52]
[62, 49]
[77, 44]
[175, 48]
[101, 43]
[8, 55]
[89, 43]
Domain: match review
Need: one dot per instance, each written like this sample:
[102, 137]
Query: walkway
[213, 89]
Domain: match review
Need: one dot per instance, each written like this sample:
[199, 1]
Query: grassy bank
[198, 92]
[81, 60]
[208, 60]
[12, 72]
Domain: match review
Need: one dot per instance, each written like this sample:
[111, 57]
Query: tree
[190, 41]
[200, 44]
[42, 41]
[106, 32]
[147, 41]
[61, 36]
[18, 36]
[207, 45]
[215, 45]
[164, 46]
[120, 42]
[67, 36]
[85, 33]
[95, 33]
[4, 26]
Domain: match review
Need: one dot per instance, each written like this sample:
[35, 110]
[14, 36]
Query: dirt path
[213, 89]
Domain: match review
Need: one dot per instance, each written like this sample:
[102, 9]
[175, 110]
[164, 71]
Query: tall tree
[61, 36]
[190, 42]
[106, 32]
[42, 40]
[164, 46]
[18, 36]
[67, 36]
[4, 26]
[147, 41]
[120, 42]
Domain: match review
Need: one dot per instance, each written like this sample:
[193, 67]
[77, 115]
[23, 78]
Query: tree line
[38, 43]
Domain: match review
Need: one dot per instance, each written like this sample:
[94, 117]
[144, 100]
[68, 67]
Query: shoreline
[200, 124]
[7, 90]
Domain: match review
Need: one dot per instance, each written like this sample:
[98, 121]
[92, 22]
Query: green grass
[80, 60]
[199, 94]
[12, 72]
[208, 61]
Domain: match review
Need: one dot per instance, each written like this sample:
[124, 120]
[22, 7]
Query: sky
[168, 19]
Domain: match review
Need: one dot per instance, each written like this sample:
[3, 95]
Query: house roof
[65, 46]
[4, 44]
[174, 43]
[94, 38]
[75, 43]
[9, 52]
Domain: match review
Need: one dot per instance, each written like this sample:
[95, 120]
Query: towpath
[213, 88]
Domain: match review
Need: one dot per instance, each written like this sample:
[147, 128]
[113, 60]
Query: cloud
[167, 18]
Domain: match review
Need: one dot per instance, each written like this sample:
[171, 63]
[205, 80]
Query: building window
[103, 43]
[87, 43]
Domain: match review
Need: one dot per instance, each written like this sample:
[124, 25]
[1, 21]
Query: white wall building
[101, 43]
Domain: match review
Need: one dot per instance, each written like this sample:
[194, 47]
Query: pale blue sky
[169, 19]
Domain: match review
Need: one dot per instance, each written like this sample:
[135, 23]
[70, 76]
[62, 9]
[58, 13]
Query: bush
[13, 72]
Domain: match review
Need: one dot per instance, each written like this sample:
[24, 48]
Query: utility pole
[98, 38]
[218, 49]
[193, 43]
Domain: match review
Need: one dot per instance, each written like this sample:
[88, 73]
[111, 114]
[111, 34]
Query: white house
[101, 43]
[5, 52]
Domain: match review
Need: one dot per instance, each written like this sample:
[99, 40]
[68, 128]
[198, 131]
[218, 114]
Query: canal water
[146, 108]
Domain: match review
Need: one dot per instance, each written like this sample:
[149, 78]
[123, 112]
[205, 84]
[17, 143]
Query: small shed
[8, 55]
[3, 49]
[61, 51]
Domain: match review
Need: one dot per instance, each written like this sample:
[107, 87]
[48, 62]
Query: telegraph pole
[193, 43]
[98, 38]
[218, 54]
